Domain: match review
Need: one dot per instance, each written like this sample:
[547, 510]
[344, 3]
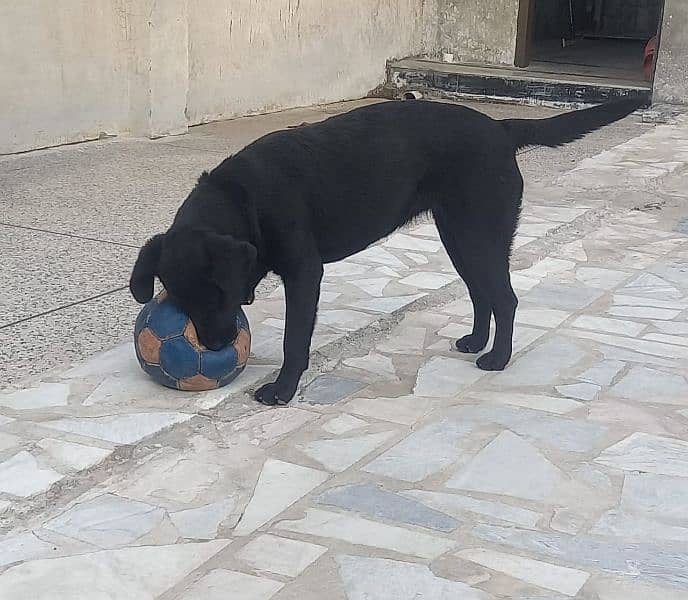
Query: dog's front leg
[302, 291]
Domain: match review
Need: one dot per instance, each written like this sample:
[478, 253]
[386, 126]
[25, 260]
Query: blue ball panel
[159, 375]
[142, 319]
[242, 321]
[218, 364]
[231, 376]
[178, 358]
[167, 320]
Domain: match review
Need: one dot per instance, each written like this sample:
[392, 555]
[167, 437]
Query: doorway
[607, 39]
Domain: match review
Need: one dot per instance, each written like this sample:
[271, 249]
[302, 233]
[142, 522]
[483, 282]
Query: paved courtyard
[401, 471]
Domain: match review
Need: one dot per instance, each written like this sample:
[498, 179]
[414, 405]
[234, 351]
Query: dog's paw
[492, 361]
[471, 344]
[272, 394]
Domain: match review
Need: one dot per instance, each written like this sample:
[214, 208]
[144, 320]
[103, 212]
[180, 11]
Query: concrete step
[450, 81]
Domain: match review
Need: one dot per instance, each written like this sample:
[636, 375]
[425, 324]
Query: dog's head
[207, 274]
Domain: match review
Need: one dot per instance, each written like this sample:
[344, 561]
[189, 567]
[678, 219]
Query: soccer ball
[168, 349]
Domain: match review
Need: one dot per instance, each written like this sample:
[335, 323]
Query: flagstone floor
[401, 471]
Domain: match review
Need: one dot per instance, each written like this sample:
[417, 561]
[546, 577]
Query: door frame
[524, 29]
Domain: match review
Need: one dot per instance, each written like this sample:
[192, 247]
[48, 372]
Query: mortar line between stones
[69, 305]
[70, 235]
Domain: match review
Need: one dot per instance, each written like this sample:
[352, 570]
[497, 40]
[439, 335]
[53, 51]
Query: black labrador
[296, 199]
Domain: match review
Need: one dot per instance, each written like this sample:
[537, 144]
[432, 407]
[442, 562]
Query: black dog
[296, 199]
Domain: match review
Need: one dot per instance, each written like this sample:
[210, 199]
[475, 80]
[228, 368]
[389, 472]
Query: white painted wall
[73, 69]
[248, 56]
[63, 72]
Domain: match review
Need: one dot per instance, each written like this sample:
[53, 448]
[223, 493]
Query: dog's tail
[570, 126]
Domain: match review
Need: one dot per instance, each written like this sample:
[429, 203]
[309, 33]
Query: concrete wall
[671, 76]
[247, 56]
[479, 31]
[60, 82]
[75, 69]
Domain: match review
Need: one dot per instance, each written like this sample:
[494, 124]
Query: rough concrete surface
[479, 31]
[76, 69]
[400, 471]
[671, 77]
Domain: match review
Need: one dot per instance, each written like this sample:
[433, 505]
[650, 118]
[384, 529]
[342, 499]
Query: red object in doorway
[649, 58]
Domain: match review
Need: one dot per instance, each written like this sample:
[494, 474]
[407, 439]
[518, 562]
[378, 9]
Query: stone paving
[401, 471]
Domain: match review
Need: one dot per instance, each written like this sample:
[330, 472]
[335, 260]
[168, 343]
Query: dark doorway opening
[609, 39]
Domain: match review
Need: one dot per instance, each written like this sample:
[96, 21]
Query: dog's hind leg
[449, 231]
[478, 244]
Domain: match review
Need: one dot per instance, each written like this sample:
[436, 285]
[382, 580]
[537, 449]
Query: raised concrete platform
[541, 84]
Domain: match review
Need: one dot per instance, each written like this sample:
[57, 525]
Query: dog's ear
[231, 260]
[145, 270]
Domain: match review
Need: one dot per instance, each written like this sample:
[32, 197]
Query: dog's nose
[251, 297]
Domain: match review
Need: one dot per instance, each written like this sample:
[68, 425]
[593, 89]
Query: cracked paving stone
[541, 317]
[562, 296]
[27, 546]
[23, 476]
[542, 365]
[552, 404]
[221, 584]
[344, 320]
[280, 485]
[383, 579]
[662, 497]
[401, 241]
[373, 286]
[665, 564]
[651, 286]
[107, 521]
[366, 532]
[545, 575]
[581, 391]
[406, 340]
[43, 396]
[605, 279]
[339, 454]
[372, 362]
[633, 527]
[510, 466]
[343, 424]
[602, 373]
[280, 555]
[119, 429]
[458, 505]
[423, 453]
[202, 522]
[643, 384]
[121, 574]
[372, 501]
[387, 304]
[443, 377]
[569, 435]
[73, 456]
[380, 256]
[618, 326]
[649, 454]
[427, 280]
[329, 389]
[405, 410]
